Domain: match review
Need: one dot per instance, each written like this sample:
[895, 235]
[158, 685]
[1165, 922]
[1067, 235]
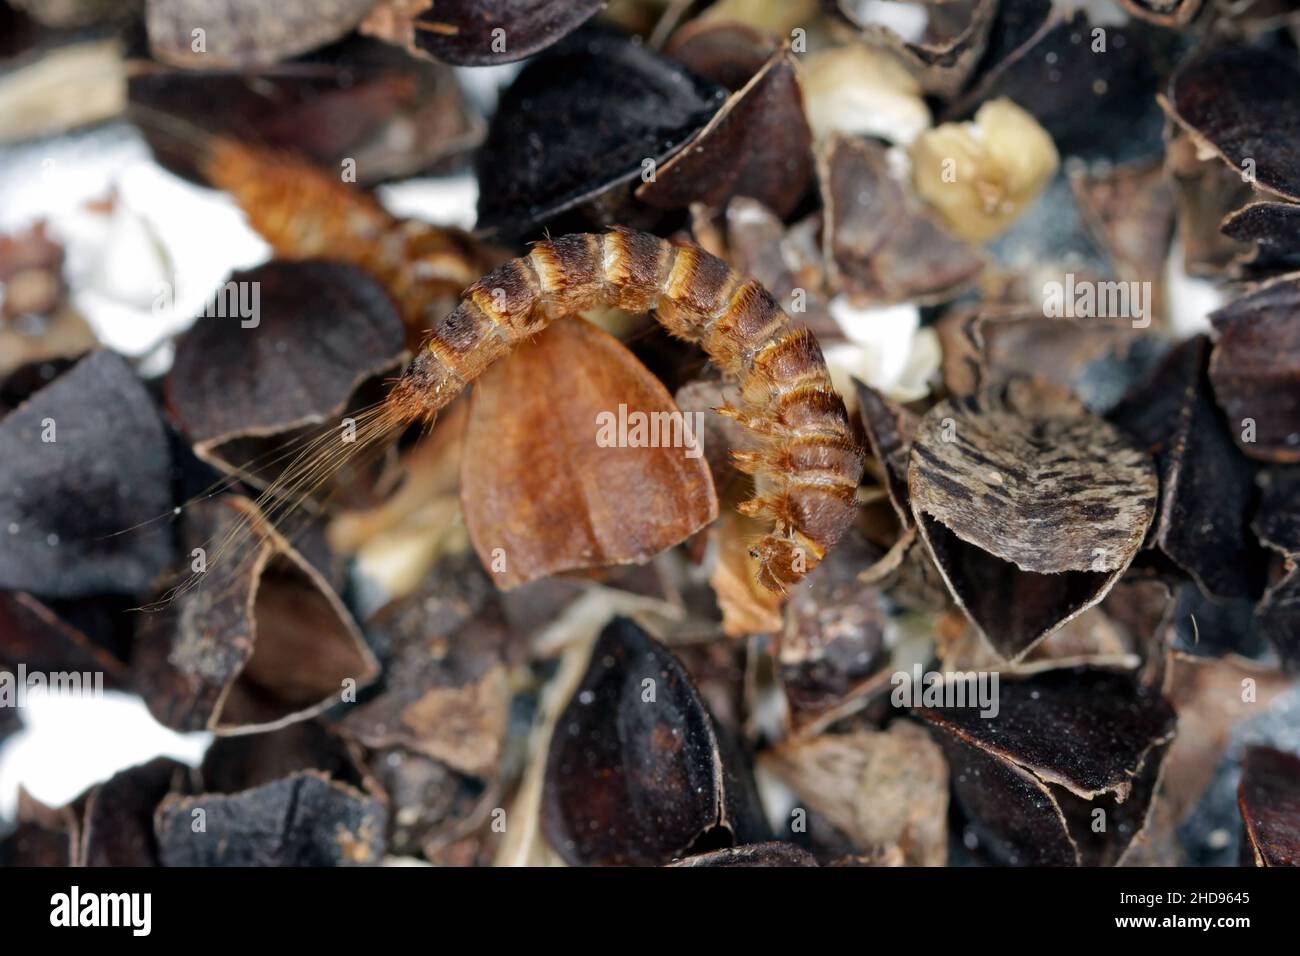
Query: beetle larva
[302, 213]
[805, 462]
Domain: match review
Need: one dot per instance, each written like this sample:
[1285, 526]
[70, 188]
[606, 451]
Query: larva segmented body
[303, 212]
[806, 462]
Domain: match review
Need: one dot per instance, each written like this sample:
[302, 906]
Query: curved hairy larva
[805, 460]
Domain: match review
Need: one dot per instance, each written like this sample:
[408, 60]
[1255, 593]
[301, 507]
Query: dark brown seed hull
[805, 461]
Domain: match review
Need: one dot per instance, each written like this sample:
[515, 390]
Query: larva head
[781, 562]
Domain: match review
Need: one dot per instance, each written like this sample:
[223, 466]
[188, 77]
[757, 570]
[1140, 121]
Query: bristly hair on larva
[304, 212]
[804, 459]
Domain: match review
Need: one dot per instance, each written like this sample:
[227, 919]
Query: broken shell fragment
[257, 640]
[1066, 748]
[753, 854]
[447, 653]
[889, 430]
[289, 798]
[285, 346]
[954, 38]
[1091, 86]
[236, 34]
[75, 80]
[84, 460]
[1207, 486]
[1207, 694]
[1277, 524]
[728, 53]
[1205, 192]
[585, 120]
[303, 820]
[1255, 370]
[361, 101]
[118, 822]
[1085, 729]
[1129, 210]
[1243, 105]
[42, 836]
[535, 476]
[635, 773]
[1278, 614]
[757, 145]
[477, 32]
[35, 635]
[831, 653]
[996, 345]
[1269, 798]
[1274, 227]
[1030, 515]
[880, 246]
[880, 788]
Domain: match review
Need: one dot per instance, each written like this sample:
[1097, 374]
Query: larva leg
[806, 463]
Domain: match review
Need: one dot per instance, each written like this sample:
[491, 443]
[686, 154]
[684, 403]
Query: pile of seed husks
[1052, 258]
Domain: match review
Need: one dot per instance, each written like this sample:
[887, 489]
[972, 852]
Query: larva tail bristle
[253, 466]
[425, 388]
[321, 458]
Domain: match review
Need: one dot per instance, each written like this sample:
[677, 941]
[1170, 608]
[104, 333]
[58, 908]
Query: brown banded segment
[427, 385]
[818, 511]
[807, 465]
[809, 406]
[816, 454]
[636, 266]
[302, 212]
[791, 360]
[792, 370]
[752, 319]
[467, 341]
[833, 458]
[571, 273]
[508, 295]
[701, 285]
